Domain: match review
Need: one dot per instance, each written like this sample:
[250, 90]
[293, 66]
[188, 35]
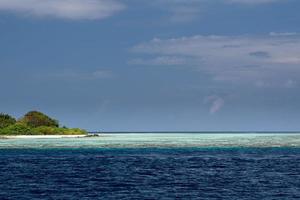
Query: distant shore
[41, 136]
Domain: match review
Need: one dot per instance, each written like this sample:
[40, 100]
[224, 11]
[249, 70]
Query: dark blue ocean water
[149, 173]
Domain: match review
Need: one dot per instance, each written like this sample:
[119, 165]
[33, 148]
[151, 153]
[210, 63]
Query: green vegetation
[16, 129]
[36, 119]
[6, 120]
[34, 123]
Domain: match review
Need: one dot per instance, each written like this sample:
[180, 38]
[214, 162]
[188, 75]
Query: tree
[37, 119]
[16, 129]
[6, 120]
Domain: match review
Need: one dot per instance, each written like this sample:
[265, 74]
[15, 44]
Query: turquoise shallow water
[144, 140]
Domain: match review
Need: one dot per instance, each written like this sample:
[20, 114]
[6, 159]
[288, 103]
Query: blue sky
[137, 65]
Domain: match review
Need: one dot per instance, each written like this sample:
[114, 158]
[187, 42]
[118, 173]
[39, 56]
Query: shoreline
[142, 133]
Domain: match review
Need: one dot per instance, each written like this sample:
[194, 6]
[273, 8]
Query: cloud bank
[271, 60]
[65, 9]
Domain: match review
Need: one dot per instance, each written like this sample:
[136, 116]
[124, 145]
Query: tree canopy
[35, 119]
[6, 120]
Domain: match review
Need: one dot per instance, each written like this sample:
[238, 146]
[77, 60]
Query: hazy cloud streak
[216, 103]
[66, 9]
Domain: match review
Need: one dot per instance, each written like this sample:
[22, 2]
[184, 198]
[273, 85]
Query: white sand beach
[42, 136]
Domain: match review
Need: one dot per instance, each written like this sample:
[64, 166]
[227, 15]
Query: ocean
[152, 166]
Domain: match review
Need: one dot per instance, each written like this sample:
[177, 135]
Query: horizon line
[193, 132]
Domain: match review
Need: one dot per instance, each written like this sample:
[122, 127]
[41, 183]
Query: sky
[159, 65]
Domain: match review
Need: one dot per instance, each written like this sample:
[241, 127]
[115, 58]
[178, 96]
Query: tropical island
[35, 123]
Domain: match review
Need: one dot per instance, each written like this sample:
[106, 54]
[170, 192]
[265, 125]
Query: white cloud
[216, 103]
[160, 60]
[244, 59]
[66, 9]
[283, 33]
